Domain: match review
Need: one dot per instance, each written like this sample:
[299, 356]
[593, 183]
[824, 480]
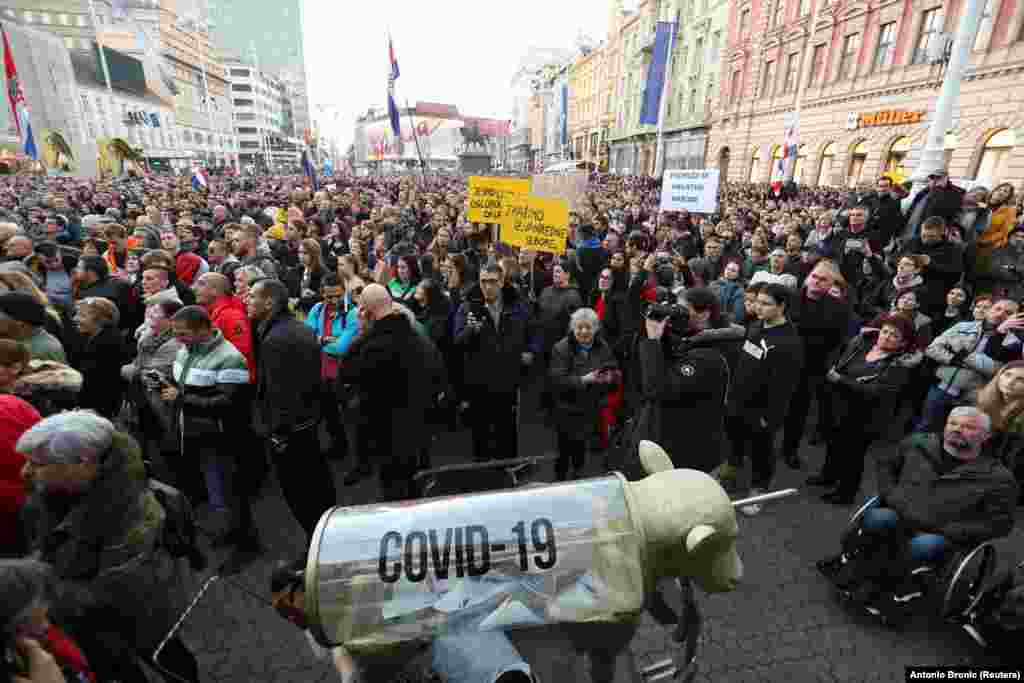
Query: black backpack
[180, 533]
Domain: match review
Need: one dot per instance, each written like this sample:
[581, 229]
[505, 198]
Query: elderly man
[97, 522]
[286, 411]
[18, 248]
[388, 360]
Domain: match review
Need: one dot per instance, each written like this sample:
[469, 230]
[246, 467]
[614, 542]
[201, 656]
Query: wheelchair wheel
[853, 526]
[970, 575]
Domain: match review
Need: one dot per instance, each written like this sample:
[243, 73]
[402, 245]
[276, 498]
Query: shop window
[995, 157]
[755, 165]
[817, 62]
[895, 162]
[768, 84]
[858, 157]
[779, 15]
[801, 159]
[828, 157]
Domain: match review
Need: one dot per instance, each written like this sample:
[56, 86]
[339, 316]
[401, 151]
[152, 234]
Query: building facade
[263, 119]
[586, 108]
[632, 144]
[871, 73]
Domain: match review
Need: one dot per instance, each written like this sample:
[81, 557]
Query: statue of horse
[471, 136]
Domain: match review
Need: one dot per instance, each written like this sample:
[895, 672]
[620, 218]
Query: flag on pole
[307, 169]
[16, 97]
[789, 147]
[199, 179]
[396, 126]
[650, 108]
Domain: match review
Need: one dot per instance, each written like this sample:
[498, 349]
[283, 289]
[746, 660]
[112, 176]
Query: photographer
[678, 381]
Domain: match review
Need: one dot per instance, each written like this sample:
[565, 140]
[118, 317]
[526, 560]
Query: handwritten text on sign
[537, 224]
[693, 190]
[488, 197]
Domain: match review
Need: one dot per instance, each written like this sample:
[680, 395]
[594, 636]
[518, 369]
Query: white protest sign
[694, 190]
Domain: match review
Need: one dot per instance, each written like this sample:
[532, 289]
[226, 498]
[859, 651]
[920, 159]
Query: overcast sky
[461, 52]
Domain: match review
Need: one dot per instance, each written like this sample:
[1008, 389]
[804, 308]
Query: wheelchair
[954, 584]
[980, 621]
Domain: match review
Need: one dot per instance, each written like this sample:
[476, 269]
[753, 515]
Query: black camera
[659, 311]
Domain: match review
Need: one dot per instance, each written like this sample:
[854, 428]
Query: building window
[778, 16]
[768, 83]
[858, 157]
[848, 60]
[29, 17]
[744, 24]
[69, 43]
[995, 157]
[792, 62]
[716, 43]
[984, 26]
[929, 35]
[798, 168]
[894, 162]
[805, 7]
[817, 63]
[828, 156]
[755, 166]
[886, 46]
[698, 57]
[734, 89]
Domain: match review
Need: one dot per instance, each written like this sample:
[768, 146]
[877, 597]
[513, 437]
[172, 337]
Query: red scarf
[599, 307]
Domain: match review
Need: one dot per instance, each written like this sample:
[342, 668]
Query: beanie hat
[23, 308]
[275, 233]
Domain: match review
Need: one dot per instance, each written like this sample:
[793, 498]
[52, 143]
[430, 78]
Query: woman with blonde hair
[1002, 399]
[57, 318]
[100, 355]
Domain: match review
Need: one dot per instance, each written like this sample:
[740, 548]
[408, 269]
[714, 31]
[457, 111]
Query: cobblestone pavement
[782, 624]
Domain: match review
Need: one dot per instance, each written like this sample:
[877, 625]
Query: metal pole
[801, 86]
[106, 71]
[416, 139]
[934, 153]
[663, 105]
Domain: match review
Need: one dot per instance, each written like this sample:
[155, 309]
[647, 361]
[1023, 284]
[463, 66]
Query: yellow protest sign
[537, 224]
[488, 196]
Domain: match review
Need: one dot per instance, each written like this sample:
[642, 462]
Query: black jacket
[99, 359]
[493, 357]
[766, 375]
[944, 270]
[392, 369]
[944, 202]
[287, 376]
[822, 326]
[969, 503]
[120, 293]
[576, 404]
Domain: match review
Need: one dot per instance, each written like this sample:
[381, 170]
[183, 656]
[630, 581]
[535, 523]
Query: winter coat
[118, 292]
[49, 386]
[943, 272]
[889, 290]
[106, 555]
[394, 373]
[229, 316]
[611, 308]
[576, 404]
[16, 417]
[555, 307]
[344, 327]
[970, 503]
[492, 357]
[968, 356]
[944, 202]
[679, 394]
[212, 379]
[822, 326]
[1006, 274]
[309, 282]
[287, 377]
[767, 373]
[867, 395]
[99, 360]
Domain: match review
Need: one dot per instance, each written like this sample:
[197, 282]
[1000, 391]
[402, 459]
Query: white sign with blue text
[693, 190]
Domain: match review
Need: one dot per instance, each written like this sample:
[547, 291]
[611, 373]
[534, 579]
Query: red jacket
[229, 316]
[16, 417]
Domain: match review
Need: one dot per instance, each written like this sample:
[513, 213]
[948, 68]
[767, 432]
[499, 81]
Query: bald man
[395, 371]
[213, 292]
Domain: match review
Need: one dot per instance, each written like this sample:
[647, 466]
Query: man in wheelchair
[938, 495]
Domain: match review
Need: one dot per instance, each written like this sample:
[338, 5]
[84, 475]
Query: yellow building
[586, 131]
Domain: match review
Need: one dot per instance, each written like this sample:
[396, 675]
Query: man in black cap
[22, 319]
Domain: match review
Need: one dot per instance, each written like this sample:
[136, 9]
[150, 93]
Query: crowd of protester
[145, 326]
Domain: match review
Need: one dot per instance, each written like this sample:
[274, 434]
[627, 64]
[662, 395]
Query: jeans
[845, 452]
[214, 473]
[937, 406]
[758, 443]
[923, 547]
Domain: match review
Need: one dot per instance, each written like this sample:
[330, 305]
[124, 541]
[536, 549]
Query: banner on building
[537, 224]
[692, 190]
[488, 197]
[650, 108]
[571, 187]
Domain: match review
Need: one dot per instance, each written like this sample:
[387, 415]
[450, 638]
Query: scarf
[905, 282]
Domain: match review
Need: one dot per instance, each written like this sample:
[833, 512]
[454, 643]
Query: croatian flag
[199, 178]
[19, 107]
[396, 127]
[789, 151]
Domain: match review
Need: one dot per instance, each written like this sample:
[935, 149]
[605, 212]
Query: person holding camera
[767, 374]
[678, 380]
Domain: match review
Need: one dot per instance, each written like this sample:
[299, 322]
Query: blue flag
[307, 168]
[651, 106]
[393, 74]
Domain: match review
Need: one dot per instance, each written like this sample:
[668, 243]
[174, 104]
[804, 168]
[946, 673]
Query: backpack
[180, 533]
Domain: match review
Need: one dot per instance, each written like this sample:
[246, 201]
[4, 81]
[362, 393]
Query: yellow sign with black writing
[537, 224]
[488, 196]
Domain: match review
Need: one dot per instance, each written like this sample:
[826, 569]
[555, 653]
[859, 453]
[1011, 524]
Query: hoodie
[229, 316]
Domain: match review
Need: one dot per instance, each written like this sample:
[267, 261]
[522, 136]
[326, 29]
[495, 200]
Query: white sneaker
[753, 508]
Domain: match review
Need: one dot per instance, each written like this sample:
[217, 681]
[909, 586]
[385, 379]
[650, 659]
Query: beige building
[586, 108]
[872, 75]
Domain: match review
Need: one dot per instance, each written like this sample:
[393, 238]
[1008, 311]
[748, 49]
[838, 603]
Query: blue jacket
[343, 327]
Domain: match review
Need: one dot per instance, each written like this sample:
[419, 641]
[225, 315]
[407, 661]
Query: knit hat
[23, 308]
[275, 233]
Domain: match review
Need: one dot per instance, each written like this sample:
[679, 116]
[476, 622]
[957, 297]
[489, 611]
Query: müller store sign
[886, 117]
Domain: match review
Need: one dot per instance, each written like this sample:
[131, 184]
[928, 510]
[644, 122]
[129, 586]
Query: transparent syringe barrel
[382, 576]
